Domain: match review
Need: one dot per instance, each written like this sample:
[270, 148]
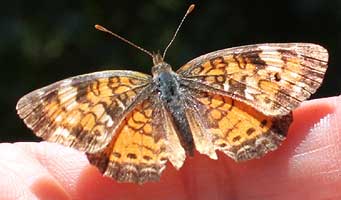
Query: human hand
[306, 166]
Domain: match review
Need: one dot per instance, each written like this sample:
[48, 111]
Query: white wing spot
[58, 118]
[62, 132]
[226, 86]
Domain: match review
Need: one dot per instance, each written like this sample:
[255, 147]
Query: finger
[64, 164]
[306, 161]
[19, 171]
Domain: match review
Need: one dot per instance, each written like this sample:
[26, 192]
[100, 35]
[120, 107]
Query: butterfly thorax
[172, 98]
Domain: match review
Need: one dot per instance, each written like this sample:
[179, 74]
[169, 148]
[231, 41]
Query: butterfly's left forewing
[83, 111]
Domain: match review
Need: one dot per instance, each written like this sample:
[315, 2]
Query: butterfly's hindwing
[235, 128]
[145, 141]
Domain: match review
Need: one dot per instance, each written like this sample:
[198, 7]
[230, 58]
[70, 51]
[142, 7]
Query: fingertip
[21, 175]
[62, 163]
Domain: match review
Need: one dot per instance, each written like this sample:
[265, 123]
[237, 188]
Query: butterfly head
[159, 65]
[157, 58]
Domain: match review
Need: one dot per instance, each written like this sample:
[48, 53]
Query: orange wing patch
[273, 78]
[137, 154]
[237, 129]
[139, 151]
[82, 111]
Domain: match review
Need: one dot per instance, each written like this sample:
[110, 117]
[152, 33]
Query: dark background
[45, 41]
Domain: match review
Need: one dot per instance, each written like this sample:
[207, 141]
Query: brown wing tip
[24, 107]
[314, 51]
[20, 105]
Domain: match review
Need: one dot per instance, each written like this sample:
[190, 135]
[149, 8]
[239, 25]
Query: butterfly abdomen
[171, 97]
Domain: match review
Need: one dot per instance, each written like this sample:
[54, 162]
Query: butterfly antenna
[189, 10]
[101, 28]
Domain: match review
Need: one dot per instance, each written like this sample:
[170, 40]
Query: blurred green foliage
[44, 41]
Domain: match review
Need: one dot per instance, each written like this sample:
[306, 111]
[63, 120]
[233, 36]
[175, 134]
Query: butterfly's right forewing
[83, 111]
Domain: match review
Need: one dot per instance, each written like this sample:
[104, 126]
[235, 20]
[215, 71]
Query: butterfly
[237, 100]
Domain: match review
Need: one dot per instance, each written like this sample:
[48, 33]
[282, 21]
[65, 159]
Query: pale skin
[306, 166]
